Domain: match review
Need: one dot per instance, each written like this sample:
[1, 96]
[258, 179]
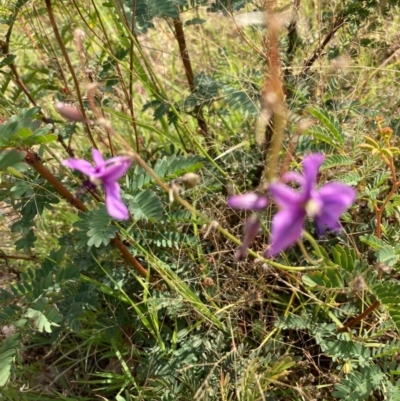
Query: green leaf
[146, 206]
[22, 133]
[9, 158]
[337, 161]
[329, 132]
[7, 60]
[8, 351]
[329, 278]
[387, 255]
[22, 122]
[388, 293]
[195, 21]
[373, 241]
[345, 257]
[101, 230]
[44, 139]
[353, 178]
[41, 322]
[359, 385]
[164, 8]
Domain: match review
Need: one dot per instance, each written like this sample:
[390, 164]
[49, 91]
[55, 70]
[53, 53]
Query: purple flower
[106, 172]
[325, 205]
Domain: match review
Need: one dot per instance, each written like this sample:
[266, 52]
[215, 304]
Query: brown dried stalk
[339, 22]
[273, 96]
[183, 51]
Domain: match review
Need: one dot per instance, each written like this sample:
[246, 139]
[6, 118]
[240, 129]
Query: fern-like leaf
[8, 351]
[146, 205]
[330, 132]
[388, 293]
[337, 161]
[359, 385]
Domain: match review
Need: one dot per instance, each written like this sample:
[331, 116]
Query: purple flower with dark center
[107, 172]
[324, 205]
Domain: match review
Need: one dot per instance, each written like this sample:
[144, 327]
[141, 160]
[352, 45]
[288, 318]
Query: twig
[361, 316]
[339, 22]
[17, 257]
[183, 51]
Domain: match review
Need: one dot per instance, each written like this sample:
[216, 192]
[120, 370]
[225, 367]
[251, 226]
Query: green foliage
[388, 295]
[77, 318]
[166, 168]
[359, 385]
[146, 205]
[329, 131]
[8, 351]
[337, 161]
[25, 129]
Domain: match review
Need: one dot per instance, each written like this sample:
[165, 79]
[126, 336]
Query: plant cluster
[199, 200]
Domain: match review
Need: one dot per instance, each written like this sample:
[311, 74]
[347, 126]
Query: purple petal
[311, 165]
[293, 176]
[287, 226]
[115, 207]
[284, 196]
[335, 198]
[251, 229]
[116, 171]
[248, 201]
[97, 158]
[118, 159]
[79, 164]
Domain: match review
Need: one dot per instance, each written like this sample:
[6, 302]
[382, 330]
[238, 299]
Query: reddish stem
[361, 316]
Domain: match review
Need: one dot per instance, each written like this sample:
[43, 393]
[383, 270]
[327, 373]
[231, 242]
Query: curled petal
[284, 196]
[251, 229]
[115, 207]
[118, 159]
[287, 226]
[116, 171]
[335, 198]
[311, 165]
[97, 158]
[79, 164]
[248, 201]
[293, 176]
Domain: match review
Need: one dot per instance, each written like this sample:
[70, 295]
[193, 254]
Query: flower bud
[251, 228]
[190, 180]
[69, 112]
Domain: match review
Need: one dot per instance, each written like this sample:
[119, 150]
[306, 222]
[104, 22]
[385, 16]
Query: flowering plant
[324, 205]
[107, 172]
